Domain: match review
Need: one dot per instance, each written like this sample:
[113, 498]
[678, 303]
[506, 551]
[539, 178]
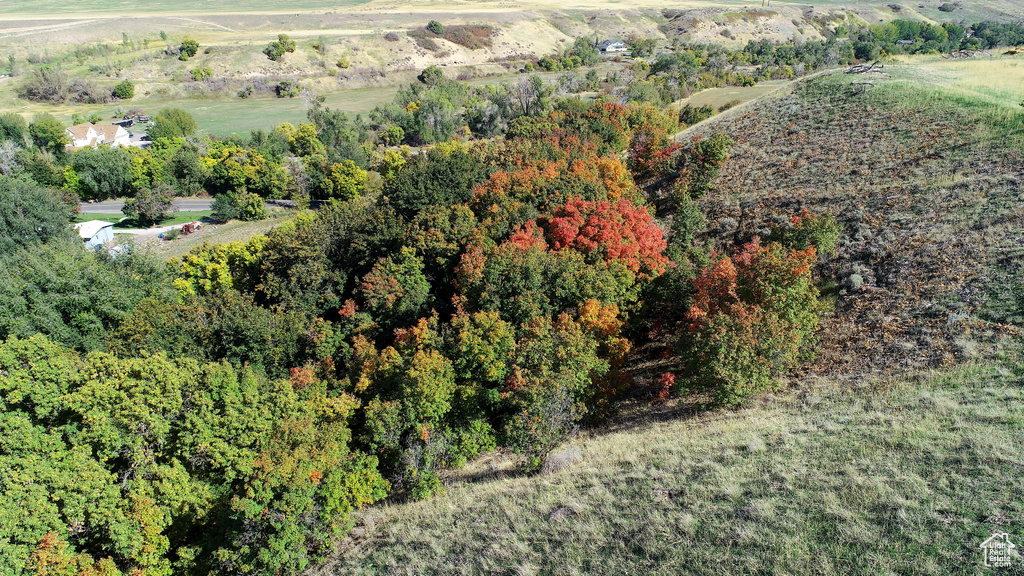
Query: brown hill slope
[926, 175]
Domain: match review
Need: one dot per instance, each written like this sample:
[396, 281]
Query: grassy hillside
[886, 477]
[895, 453]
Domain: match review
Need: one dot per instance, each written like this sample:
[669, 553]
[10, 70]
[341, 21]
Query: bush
[201, 73]
[808, 229]
[391, 37]
[435, 27]
[287, 89]
[46, 84]
[188, 49]
[277, 49]
[343, 63]
[728, 105]
[690, 115]
[125, 90]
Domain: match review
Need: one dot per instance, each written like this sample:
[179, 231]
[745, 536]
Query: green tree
[278, 48]
[431, 75]
[150, 205]
[640, 46]
[124, 90]
[239, 205]
[166, 466]
[188, 49]
[396, 290]
[435, 27]
[13, 128]
[30, 213]
[583, 49]
[341, 180]
[72, 296]
[188, 170]
[102, 172]
[172, 123]
[49, 134]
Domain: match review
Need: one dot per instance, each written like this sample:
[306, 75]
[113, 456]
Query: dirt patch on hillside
[928, 269]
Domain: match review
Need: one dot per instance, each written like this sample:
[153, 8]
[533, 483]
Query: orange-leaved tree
[751, 319]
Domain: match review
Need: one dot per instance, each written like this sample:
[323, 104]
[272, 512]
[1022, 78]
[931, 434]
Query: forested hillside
[535, 266]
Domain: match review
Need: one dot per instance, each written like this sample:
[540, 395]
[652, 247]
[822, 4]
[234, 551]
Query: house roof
[610, 42]
[80, 131]
[89, 229]
[109, 131]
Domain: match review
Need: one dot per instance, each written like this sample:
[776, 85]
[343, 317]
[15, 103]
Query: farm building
[92, 135]
[95, 233]
[613, 46]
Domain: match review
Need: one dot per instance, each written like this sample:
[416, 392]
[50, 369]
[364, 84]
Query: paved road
[114, 206]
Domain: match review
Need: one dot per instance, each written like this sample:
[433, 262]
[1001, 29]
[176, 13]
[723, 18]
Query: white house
[93, 135]
[95, 233]
[613, 46]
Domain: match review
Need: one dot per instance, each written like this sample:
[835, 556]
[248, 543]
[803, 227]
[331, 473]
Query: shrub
[343, 63]
[947, 7]
[276, 49]
[689, 115]
[188, 49]
[728, 105]
[391, 37]
[435, 27]
[201, 73]
[808, 229]
[287, 89]
[46, 84]
[125, 90]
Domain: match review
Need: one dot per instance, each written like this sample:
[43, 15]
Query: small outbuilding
[95, 233]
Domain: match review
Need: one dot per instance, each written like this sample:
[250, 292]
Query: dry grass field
[893, 476]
